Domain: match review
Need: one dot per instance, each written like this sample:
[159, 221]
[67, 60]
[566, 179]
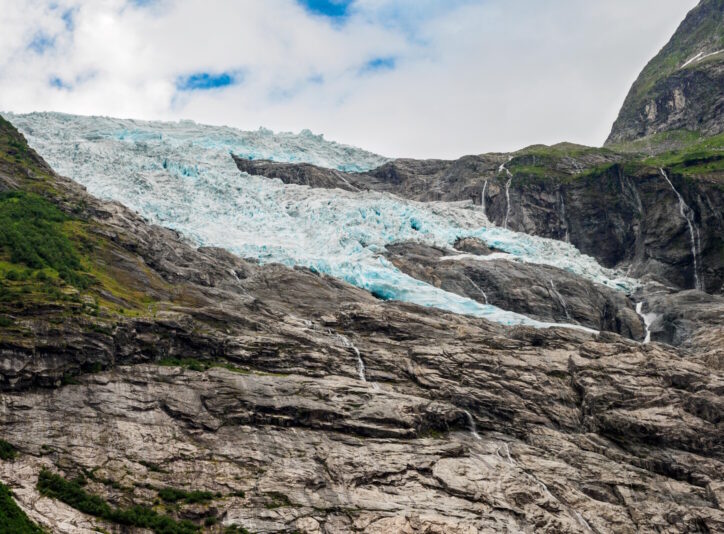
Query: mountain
[678, 96]
[151, 384]
[210, 330]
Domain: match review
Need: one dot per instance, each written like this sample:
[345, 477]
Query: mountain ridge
[679, 90]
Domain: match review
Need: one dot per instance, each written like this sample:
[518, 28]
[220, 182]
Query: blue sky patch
[59, 83]
[335, 9]
[67, 17]
[202, 81]
[380, 63]
[41, 42]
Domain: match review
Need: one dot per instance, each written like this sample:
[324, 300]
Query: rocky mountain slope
[148, 384]
[679, 92]
[186, 390]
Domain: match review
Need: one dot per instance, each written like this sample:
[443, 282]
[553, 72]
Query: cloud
[423, 78]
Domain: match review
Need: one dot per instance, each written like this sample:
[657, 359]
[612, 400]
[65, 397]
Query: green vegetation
[563, 150]
[706, 156]
[151, 466]
[12, 518]
[277, 500]
[7, 451]
[195, 364]
[20, 163]
[32, 234]
[71, 492]
[189, 497]
[658, 142]
[692, 155]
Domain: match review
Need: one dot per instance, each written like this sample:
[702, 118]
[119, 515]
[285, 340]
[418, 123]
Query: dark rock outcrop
[540, 291]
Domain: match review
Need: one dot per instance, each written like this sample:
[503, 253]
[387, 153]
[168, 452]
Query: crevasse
[181, 175]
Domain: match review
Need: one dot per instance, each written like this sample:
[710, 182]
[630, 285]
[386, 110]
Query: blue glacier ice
[180, 175]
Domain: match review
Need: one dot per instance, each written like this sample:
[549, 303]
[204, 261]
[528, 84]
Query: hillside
[678, 95]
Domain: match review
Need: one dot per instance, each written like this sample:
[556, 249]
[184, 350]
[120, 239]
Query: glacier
[181, 175]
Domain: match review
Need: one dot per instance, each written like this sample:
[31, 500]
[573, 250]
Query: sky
[403, 78]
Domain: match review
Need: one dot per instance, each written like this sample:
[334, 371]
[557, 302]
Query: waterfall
[507, 456]
[471, 424]
[507, 192]
[507, 201]
[647, 318]
[482, 197]
[360, 364]
[563, 217]
[561, 300]
[476, 286]
[688, 216]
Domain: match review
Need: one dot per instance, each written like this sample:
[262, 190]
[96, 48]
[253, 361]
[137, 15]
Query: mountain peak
[680, 88]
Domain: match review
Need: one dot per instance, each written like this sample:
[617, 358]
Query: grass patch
[703, 157]
[12, 518]
[563, 150]
[7, 451]
[71, 492]
[658, 142]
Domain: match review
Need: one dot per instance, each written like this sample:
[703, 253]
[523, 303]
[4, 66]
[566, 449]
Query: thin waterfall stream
[688, 215]
[507, 192]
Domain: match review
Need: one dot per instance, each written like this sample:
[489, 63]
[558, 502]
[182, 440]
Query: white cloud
[469, 76]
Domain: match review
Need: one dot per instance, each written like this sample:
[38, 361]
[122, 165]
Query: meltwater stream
[181, 175]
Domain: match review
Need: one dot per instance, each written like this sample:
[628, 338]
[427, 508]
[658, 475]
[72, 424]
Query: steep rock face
[625, 214]
[681, 87]
[629, 218]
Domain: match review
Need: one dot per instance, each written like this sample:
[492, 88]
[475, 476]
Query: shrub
[31, 232]
[189, 497]
[71, 493]
[7, 451]
[12, 518]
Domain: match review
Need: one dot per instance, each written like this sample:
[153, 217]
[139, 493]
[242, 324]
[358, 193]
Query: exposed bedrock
[540, 291]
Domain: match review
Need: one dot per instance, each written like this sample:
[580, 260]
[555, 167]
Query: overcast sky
[418, 78]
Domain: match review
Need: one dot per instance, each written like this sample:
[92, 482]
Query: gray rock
[540, 291]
